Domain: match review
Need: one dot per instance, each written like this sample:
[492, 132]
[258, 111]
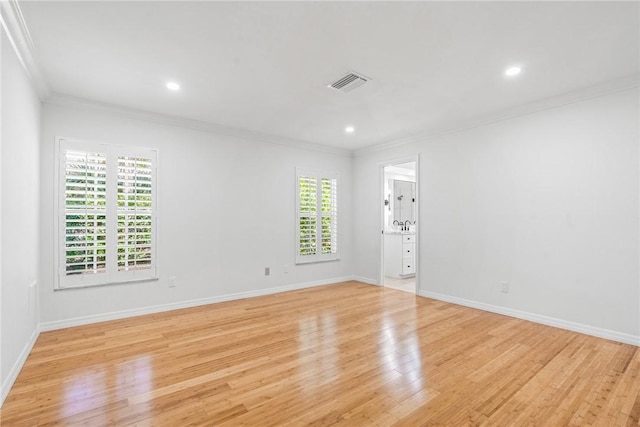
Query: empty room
[319, 213]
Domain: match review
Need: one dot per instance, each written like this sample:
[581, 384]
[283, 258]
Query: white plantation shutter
[135, 213]
[106, 216]
[329, 212]
[316, 216]
[307, 216]
[85, 209]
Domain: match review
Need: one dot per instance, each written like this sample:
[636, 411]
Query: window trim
[112, 276]
[317, 257]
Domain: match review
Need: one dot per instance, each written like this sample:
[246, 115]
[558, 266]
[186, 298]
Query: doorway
[399, 225]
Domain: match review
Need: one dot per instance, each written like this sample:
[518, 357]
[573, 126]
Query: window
[106, 229]
[317, 216]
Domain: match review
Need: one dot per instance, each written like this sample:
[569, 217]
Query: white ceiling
[264, 66]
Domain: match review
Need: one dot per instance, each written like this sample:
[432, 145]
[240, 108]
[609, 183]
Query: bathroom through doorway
[399, 226]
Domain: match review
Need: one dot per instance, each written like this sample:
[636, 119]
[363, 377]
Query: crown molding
[244, 134]
[571, 97]
[15, 27]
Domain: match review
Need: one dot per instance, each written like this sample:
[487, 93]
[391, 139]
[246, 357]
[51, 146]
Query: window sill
[99, 285]
[316, 261]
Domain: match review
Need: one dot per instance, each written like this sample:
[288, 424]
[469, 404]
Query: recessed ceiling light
[512, 71]
[349, 129]
[173, 86]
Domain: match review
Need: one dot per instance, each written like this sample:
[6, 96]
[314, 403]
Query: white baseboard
[366, 280]
[103, 317]
[17, 366]
[538, 318]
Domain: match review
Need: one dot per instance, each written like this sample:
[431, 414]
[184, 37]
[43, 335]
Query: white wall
[3, 45]
[548, 201]
[226, 211]
[20, 157]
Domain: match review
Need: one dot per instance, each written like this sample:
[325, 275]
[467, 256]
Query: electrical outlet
[267, 271]
[172, 282]
[285, 269]
[504, 287]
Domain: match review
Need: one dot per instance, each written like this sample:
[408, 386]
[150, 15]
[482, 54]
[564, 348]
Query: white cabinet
[399, 255]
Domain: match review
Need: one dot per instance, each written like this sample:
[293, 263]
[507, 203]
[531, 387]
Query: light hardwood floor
[349, 353]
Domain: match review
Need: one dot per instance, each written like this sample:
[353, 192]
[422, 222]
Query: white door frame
[414, 158]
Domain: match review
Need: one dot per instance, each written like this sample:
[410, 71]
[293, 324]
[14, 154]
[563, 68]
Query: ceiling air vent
[349, 82]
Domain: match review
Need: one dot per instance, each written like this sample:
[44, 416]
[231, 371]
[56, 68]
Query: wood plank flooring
[346, 354]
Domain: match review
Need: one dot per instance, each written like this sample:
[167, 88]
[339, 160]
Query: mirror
[403, 201]
[399, 198]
